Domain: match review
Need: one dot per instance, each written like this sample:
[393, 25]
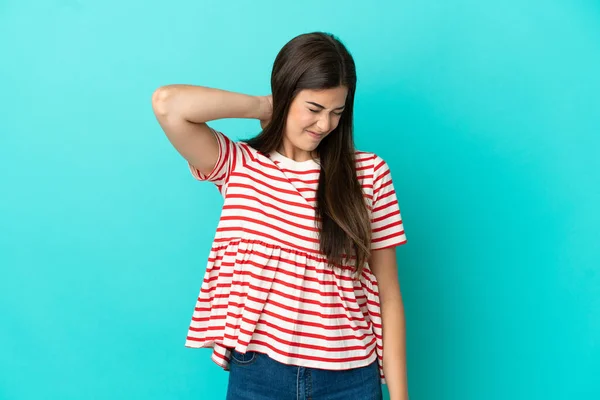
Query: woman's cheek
[308, 120]
[335, 123]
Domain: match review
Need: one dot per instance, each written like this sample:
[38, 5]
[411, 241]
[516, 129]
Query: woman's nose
[324, 123]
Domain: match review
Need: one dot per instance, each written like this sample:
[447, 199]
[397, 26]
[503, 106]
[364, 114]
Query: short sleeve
[386, 222]
[230, 153]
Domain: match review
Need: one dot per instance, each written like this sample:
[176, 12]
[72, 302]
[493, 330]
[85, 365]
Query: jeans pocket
[243, 358]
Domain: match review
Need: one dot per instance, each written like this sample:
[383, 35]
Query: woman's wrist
[265, 109]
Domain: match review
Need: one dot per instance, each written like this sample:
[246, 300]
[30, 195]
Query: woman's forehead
[333, 97]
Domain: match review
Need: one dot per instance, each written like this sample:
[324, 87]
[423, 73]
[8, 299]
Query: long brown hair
[320, 61]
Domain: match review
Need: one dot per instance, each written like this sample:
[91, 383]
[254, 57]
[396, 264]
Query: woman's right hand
[266, 110]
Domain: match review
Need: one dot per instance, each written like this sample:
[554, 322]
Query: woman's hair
[320, 61]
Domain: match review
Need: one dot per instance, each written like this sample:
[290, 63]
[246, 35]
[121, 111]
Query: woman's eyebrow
[318, 105]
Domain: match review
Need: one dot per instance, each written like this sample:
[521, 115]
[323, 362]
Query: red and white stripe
[267, 287]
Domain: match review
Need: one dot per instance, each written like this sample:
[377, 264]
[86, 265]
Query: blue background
[486, 111]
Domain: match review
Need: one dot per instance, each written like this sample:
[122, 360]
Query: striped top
[267, 287]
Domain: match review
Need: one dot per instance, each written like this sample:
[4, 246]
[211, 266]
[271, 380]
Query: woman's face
[313, 114]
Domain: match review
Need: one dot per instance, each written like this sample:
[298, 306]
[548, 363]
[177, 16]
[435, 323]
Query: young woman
[301, 298]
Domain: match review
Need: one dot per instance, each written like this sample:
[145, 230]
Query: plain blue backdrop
[486, 111]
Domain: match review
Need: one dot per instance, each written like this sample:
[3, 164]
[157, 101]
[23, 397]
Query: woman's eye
[317, 111]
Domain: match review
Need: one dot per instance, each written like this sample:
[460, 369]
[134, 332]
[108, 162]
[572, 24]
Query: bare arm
[384, 266]
[183, 110]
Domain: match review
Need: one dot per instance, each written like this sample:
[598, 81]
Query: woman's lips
[315, 135]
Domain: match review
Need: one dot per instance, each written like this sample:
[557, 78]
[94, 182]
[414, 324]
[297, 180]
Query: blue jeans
[255, 376]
